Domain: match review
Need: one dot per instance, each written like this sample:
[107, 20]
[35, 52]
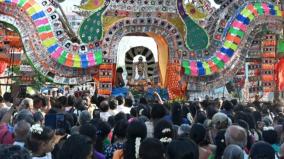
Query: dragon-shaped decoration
[207, 44]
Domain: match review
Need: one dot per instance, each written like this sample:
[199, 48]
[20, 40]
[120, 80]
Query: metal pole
[6, 89]
[13, 59]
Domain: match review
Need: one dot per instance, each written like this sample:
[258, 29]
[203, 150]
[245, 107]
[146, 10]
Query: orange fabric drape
[280, 74]
[3, 66]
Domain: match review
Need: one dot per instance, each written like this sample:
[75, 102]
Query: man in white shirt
[113, 103]
[121, 107]
[7, 100]
[21, 132]
[104, 114]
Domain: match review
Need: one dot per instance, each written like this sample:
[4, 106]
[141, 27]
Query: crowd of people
[92, 127]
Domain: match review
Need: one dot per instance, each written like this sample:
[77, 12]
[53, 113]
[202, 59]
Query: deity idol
[140, 70]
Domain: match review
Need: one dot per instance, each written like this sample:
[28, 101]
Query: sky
[68, 5]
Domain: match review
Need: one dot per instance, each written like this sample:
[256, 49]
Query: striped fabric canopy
[49, 40]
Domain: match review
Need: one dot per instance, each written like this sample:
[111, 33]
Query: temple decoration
[208, 47]
[3, 66]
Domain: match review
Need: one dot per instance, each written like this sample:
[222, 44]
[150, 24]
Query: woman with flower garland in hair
[40, 142]
[164, 131]
[136, 133]
[220, 143]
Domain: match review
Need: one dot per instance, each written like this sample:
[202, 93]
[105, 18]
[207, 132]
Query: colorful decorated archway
[208, 51]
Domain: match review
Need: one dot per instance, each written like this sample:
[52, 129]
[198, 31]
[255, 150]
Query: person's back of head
[103, 129]
[71, 100]
[177, 113]
[7, 97]
[227, 105]
[152, 148]
[38, 101]
[211, 110]
[120, 116]
[182, 149]
[21, 130]
[220, 121]
[128, 102]
[236, 135]
[205, 103]
[197, 133]
[89, 130]
[77, 147]
[39, 139]
[14, 152]
[99, 100]
[158, 111]
[136, 133]
[143, 101]
[135, 129]
[250, 120]
[25, 115]
[200, 117]
[164, 131]
[262, 150]
[233, 152]
[63, 101]
[120, 100]
[184, 130]
[234, 102]
[140, 110]
[270, 136]
[26, 103]
[38, 117]
[79, 104]
[243, 124]
[84, 117]
[104, 106]
[120, 130]
[113, 103]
